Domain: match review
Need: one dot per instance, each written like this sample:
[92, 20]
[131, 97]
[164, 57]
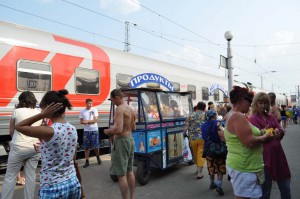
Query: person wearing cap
[212, 130]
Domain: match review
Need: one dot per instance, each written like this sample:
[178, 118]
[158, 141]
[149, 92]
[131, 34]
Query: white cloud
[123, 6]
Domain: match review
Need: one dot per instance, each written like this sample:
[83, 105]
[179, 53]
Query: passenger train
[39, 61]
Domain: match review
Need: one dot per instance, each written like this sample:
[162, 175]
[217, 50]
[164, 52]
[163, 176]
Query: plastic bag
[187, 155]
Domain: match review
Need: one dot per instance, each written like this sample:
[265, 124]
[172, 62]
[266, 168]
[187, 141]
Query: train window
[34, 76]
[192, 88]
[176, 86]
[216, 95]
[87, 81]
[205, 93]
[123, 80]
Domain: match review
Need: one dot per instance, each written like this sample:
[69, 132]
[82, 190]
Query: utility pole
[127, 39]
[262, 79]
[127, 35]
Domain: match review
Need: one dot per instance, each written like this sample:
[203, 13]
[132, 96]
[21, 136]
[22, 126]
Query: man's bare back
[128, 117]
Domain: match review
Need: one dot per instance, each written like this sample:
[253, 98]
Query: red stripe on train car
[8, 86]
[100, 62]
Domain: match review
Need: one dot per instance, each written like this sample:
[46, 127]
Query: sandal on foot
[220, 191]
[199, 176]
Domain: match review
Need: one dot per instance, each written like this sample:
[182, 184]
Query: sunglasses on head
[248, 100]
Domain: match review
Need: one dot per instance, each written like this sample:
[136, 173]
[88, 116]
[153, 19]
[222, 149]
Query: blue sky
[189, 33]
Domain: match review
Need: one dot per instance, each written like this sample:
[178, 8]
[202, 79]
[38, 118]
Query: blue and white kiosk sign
[150, 77]
[217, 86]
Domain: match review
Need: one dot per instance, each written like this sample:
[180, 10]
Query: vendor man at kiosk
[122, 152]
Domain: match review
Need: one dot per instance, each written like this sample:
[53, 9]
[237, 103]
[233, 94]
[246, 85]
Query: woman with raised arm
[244, 144]
[58, 176]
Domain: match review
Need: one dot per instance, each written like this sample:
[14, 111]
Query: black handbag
[214, 149]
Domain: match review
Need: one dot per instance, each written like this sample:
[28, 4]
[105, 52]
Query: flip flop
[200, 176]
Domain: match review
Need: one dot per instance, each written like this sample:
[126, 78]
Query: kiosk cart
[160, 118]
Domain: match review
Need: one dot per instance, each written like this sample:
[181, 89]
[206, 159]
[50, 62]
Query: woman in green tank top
[244, 143]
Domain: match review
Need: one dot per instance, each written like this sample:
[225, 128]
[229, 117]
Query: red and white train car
[40, 61]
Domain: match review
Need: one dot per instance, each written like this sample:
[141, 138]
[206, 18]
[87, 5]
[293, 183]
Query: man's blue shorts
[68, 189]
[91, 140]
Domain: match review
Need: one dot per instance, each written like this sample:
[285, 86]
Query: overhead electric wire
[176, 37]
[141, 29]
[296, 54]
[159, 35]
[201, 35]
[99, 13]
[179, 44]
[183, 27]
[58, 22]
[209, 41]
[267, 45]
[110, 38]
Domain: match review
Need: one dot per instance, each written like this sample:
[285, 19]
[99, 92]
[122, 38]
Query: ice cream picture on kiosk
[155, 141]
[141, 145]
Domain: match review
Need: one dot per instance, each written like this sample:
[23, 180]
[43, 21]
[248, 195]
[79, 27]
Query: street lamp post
[228, 36]
[261, 77]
